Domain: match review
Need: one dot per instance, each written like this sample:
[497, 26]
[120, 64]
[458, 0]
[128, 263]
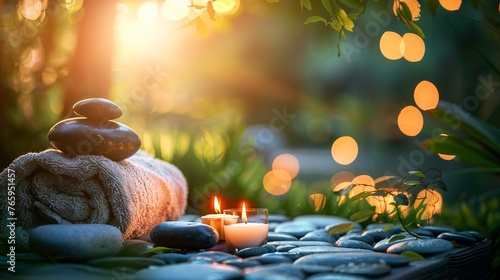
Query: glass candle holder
[249, 230]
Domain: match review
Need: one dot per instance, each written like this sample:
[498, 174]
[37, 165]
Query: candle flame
[244, 213]
[216, 205]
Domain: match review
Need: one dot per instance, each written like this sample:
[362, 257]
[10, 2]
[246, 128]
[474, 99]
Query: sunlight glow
[277, 182]
[413, 5]
[426, 95]
[392, 45]
[434, 201]
[175, 9]
[32, 9]
[444, 156]
[227, 7]
[319, 201]
[410, 121]
[344, 150]
[341, 180]
[287, 162]
[147, 12]
[364, 183]
[414, 47]
[451, 5]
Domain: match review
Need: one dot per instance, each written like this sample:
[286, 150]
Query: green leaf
[345, 20]
[157, 250]
[414, 27]
[354, 4]
[413, 256]
[402, 199]
[361, 195]
[362, 216]
[305, 4]
[388, 227]
[412, 183]
[411, 226]
[417, 173]
[336, 25]
[438, 184]
[328, 5]
[405, 11]
[313, 19]
[341, 228]
[396, 238]
[201, 27]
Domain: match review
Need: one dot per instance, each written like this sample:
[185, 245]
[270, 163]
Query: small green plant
[407, 202]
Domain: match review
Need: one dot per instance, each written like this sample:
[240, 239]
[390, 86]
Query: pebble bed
[298, 248]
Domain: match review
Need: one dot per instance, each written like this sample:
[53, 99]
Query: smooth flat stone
[270, 248]
[308, 250]
[479, 236]
[288, 270]
[97, 109]
[351, 243]
[314, 269]
[217, 256]
[80, 136]
[458, 238]
[270, 258]
[437, 230]
[322, 221]
[279, 236]
[130, 262]
[75, 242]
[134, 248]
[335, 259]
[336, 276]
[378, 233]
[242, 264]
[285, 248]
[364, 269]
[422, 246]
[300, 243]
[295, 228]
[252, 252]
[173, 258]
[190, 271]
[63, 272]
[184, 235]
[383, 244]
[201, 260]
[318, 235]
[356, 236]
[291, 256]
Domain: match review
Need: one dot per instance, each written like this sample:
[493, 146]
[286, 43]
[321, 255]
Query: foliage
[479, 214]
[406, 202]
[471, 139]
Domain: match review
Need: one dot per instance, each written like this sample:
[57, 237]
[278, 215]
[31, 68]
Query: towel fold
[50, 188]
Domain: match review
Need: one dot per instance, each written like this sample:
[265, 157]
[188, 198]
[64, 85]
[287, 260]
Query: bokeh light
[175, 9]
[410, 121]
[451, 5]
[226, 7]
[319, 201]
[413, 5]
[32, 9]
[147, 12]
[392, 45]
[287, 162]
[434, 201]
[426, 95]
[445, 156]
[277, 182]
[414, 47]
[344, 150]
[364, 183]
[341, 180]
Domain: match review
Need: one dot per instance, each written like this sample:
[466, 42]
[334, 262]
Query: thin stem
[403, 224]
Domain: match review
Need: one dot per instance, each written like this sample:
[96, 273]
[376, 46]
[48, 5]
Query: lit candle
[218, 220]
[247, 234]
